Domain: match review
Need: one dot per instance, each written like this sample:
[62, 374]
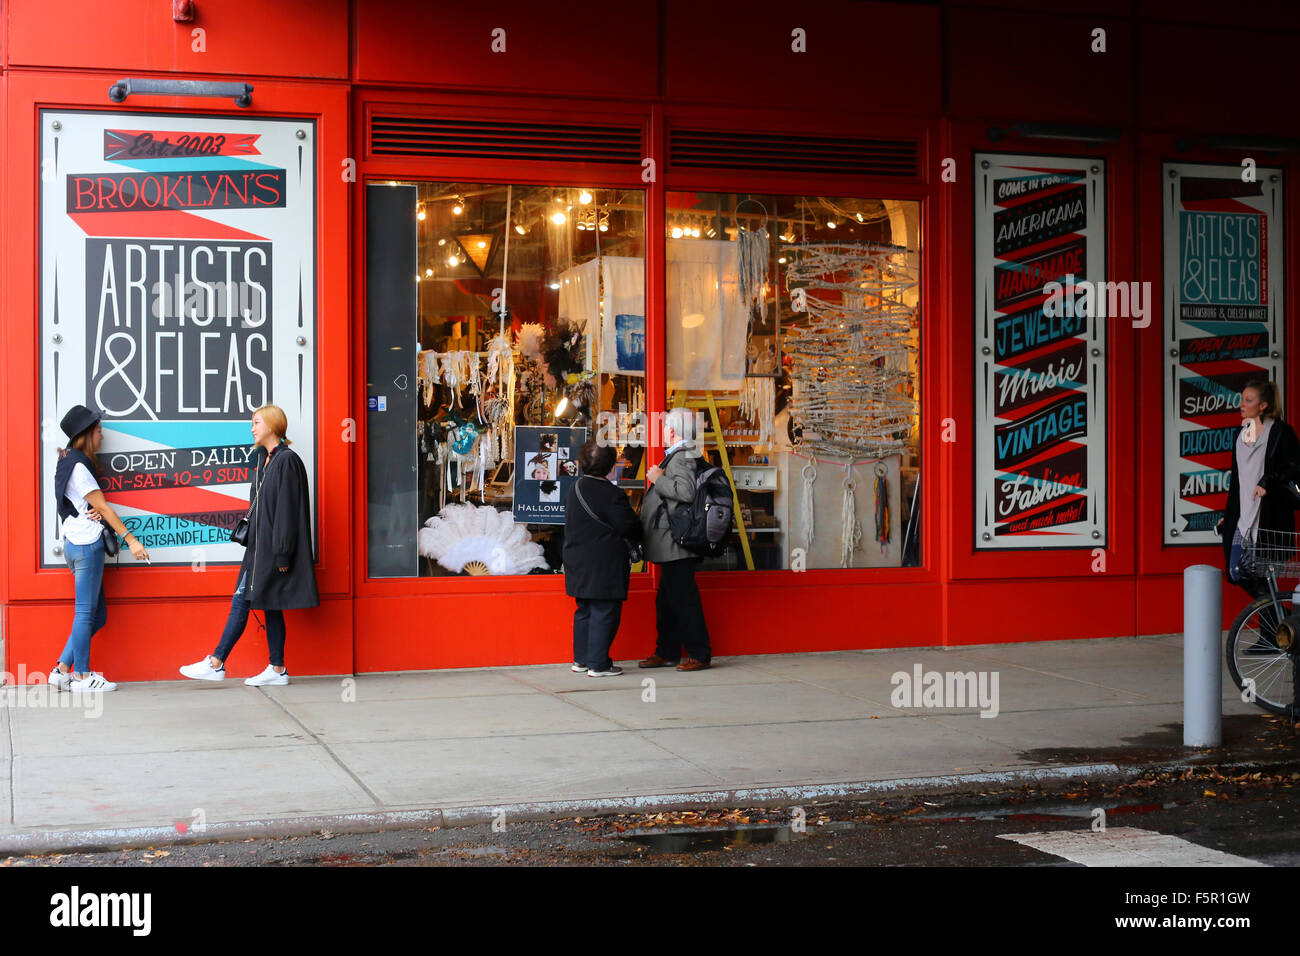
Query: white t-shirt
[80, 529]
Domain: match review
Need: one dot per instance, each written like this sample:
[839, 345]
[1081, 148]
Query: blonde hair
[273, 417]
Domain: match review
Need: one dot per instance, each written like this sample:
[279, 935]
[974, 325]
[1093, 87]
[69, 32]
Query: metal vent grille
[795, 152]
[452, 138]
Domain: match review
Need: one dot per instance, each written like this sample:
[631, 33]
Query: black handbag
[635, 553]
[239, 534]
[111, 543]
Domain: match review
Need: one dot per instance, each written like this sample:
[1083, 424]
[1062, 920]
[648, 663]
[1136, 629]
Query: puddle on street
[691, 839]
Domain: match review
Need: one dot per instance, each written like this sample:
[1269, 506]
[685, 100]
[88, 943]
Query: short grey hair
[682, 423]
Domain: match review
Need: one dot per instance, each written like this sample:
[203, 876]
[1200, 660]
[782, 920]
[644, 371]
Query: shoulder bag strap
[577, 490]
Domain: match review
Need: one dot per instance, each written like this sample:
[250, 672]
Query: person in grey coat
[679, 614]
[278, 572]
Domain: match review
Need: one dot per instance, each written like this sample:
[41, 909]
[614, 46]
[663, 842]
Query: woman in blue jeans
[81, 504]
[278, 571]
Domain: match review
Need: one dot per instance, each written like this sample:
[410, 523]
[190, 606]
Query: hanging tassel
[809, 473]
[850, 527]
[882, 511]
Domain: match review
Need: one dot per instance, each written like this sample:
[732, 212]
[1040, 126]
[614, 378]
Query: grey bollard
[1202, 657]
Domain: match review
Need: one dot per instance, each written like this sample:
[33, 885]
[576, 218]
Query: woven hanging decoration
[850, 361]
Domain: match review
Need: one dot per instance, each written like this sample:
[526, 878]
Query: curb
[114, 838]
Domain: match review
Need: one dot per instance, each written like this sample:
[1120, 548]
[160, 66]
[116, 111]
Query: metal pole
[1202, 657]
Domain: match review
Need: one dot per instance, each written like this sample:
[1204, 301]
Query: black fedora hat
[78, 419]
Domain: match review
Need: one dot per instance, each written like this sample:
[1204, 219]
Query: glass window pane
[793, 328]
[529, 321]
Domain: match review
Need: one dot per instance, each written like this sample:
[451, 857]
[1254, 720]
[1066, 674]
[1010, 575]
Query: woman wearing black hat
[277, 573]
[84, 511]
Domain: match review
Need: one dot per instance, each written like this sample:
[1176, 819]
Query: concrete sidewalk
[184, 760]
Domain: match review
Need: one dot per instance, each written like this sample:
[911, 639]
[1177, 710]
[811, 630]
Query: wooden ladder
[681, 399]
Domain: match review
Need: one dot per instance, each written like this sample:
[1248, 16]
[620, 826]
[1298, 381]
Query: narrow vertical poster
[178, 279]
[1223, 327]
[1041, 303]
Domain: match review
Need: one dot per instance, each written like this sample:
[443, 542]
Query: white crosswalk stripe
[1125, 846]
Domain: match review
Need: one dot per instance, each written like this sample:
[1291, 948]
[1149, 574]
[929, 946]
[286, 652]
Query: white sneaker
[60, 680]
[203, 670]
[578, 668]
[92, 684]
[268, 676]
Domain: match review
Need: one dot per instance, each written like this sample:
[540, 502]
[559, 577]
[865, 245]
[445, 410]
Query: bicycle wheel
[1253, 656]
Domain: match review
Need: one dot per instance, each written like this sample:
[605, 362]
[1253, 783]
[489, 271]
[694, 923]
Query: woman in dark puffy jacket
[597, 519]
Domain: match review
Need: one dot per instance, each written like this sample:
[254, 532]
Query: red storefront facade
[936, 78]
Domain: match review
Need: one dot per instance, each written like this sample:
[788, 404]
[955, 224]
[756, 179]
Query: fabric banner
[624, 326]
[178, 278]
[706, 325]
[1223, 326]
[1040, 345]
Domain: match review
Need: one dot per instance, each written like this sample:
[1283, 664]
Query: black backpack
[702, 525]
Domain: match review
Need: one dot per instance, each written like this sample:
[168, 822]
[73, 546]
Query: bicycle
[1263, 646]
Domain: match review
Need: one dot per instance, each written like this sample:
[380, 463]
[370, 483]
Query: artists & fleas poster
[177, 296]
[1040, 344]
[1223, 326]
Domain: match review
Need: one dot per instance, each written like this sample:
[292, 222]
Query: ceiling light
[421, 214]
[781, 260]
[457, 209]
[830, 223]
[520, 229]
[712, 232]
[555, 285]
[582, 227]
[559, 218]
[584, 197]
[428, 272]
[442, 242]
[604, 227]
[677, 232]
[453, 260]
[561, 405]
[860, 219]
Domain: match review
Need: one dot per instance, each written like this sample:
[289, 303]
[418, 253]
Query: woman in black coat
[597, 517]
[1280, 464]
[278, 572]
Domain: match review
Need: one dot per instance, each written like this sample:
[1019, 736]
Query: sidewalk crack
[326, 747]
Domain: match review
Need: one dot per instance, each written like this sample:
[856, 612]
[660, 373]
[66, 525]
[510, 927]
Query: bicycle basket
[1274, 552]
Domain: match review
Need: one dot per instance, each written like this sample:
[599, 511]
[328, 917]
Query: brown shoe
[654, 660]
[691, 664]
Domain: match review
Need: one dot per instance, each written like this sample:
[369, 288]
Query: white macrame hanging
[809, 473]
[758, 405]
[850, 527]
[752, 262]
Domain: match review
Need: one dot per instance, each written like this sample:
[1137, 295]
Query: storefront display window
[522, 321]
[793, 330]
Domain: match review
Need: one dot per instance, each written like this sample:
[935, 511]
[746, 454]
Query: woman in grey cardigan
[679, 615]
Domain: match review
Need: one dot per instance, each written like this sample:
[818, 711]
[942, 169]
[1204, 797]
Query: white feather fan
[481, 540]
[529, 340]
